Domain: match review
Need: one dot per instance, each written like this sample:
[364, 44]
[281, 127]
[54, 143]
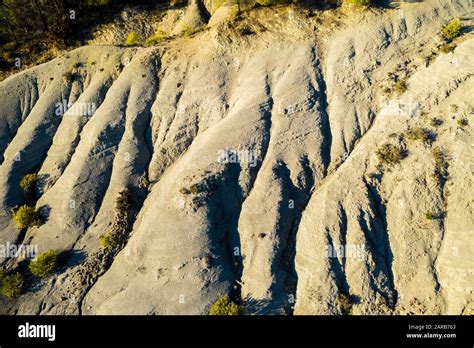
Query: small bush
[359, 3]
[133, 39]
[45, 264]
[344, 303]
[123, 202]
[156, 38]
[224, 306]
[184, 191]
[108, 241]
[12, 285]
[194, 189]
[389, 154]
[430, 216]
[441, 166]
[447, 48]
[439, 157]
[187, 31]
[8, 56]
[400, 87]
[462, 122]
[419, 134]
[175, 3]
[435, 122]
[28, 182]
[27, 216]
[144, 182]
[271, 2]
[452, 30]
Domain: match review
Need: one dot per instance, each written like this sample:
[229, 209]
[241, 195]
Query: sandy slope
[306, 99]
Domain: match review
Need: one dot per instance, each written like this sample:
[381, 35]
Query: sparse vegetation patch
[156, 38]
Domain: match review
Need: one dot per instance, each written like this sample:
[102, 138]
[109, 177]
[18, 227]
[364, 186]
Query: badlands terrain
[300, 161]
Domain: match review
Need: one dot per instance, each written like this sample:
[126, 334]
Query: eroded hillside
[251, 151]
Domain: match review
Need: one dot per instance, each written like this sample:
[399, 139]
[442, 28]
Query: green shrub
[224, 306]
[430, 216]
[389, 154]
[452, 30]
[156, 38]
[45, 264]
[12, 285]
[108, 241]
[28, 182]
[133, 39]
[26, 216]
[359, 3]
